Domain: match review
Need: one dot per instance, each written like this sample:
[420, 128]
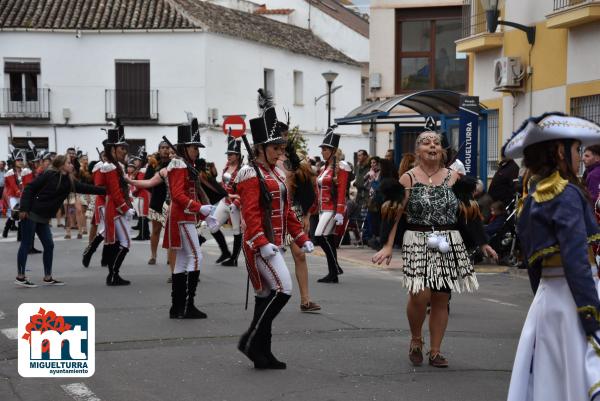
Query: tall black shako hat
[331, 140]
[116, 135]
[266, 129]
[234, 146]
[189, 134]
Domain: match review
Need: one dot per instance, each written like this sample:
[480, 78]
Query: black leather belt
[415, 227]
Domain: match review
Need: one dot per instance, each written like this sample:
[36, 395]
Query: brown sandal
[437, 360]
[415, 352]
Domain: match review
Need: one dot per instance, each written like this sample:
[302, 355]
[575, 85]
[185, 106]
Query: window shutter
[12, 66]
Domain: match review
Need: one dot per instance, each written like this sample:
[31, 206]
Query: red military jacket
[282, 217]
[325, 184]
[26, 176]
[117, 199]
[185, 205]
[229, 187]
[98, 179]
[12, 185]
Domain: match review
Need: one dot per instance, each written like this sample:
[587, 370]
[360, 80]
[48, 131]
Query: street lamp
[329, 76]
[492, 14]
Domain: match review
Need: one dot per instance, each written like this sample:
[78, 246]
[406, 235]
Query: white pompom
[433, 241]
[444, 247]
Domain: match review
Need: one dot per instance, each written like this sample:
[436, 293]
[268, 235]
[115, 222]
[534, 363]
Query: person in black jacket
[40, 201]
[502, 187]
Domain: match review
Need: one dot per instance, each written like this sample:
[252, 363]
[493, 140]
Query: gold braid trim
[589, 309]
[549, 188]
[593, 389]
[555, 249]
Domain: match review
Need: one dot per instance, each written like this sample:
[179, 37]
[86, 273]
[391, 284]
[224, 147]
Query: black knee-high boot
[7, 227]
[178, 291]
[333, 241]
[104, 259]
[90, 249]
[332, 275]
[111, 251]
[237, 247]
[257, 345]
[220, 238]
[259, 307]
[144, 230]
[191, 312]
[116, 266]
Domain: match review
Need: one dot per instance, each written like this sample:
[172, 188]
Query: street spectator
[497, 219]
[389, 155]
[2, 172]
[360, 171]
[483, 199]
[591, 176]
[371, 227]
[407, 162]
[502, 187]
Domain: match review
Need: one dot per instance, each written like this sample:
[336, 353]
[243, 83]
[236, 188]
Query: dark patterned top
[432, 205]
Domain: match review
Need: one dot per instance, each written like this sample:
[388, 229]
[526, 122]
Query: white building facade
[86, 77]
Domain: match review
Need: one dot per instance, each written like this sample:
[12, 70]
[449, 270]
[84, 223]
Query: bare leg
[156, 227]
[301, 268]
[438, 320]
[416, 311]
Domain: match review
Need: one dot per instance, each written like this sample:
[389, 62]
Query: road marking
[80, 392]
[499, 302]
[2, 315]
[11, 334]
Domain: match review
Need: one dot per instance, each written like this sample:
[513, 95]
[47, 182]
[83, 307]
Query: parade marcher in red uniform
[331, 183]
[267, 217]
[97, 227]
[180, 233]
[140, 161]
[118, 209]
[12, 186]
[229, 207]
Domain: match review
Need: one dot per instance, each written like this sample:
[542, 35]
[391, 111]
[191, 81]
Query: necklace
[430, 175]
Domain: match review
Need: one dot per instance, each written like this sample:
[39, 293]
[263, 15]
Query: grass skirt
[429, 268]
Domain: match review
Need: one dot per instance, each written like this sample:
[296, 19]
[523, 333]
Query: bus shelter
[408, 114]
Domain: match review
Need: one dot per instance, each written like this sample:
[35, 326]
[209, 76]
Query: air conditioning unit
[508, 73]
[375, 81]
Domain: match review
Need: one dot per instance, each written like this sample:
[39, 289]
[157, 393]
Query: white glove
[308, 247]
[233, 208]
[205, 210]
[129, 214]
[212, 223]
[268, 251]
[339, 219]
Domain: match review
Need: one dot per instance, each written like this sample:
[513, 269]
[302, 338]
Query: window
[426, 52]
[23, 80]
[587, 107]
[298, 88]
[132, 87]
[269, 81]
[492, 150]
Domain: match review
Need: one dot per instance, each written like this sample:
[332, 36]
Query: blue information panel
[468, 130]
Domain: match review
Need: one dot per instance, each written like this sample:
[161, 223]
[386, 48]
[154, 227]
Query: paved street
[356, 349]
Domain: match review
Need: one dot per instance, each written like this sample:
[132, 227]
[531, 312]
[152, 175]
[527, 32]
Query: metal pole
[329, 104]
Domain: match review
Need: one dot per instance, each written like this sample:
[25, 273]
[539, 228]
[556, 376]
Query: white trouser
[189, 256]
[223, 212]
[138, 205]
[326, 224]
[12, 202]
[101, 226]
[274, 274]
[122, 231]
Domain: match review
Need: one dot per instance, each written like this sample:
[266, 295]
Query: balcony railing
[25, 103]
[128, 104]
[472, 24]
[562, 4]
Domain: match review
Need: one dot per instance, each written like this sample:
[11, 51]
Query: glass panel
[16, 87]
[415, 73]
[31, 89]
[450, 67]
[416, 36]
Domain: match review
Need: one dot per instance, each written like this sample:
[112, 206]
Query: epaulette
[97, 166]
[9, 173]
[25, 171]
[176, 163]
[245, 173]
[108, 167]
[143, 170]
[344, 165]
[549, 188]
